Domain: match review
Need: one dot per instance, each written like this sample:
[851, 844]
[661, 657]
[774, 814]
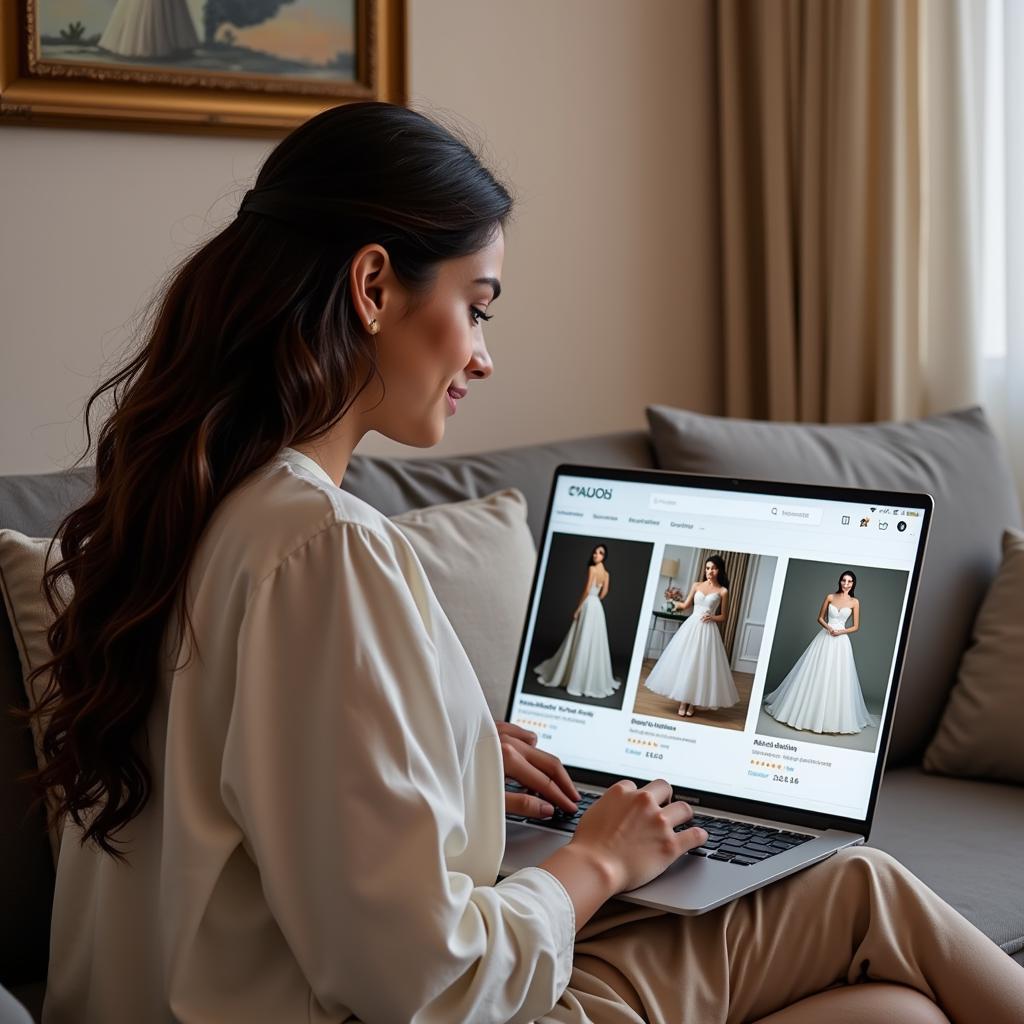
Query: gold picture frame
[35, 90]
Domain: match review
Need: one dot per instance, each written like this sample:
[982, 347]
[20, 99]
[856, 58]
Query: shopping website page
[735, 643]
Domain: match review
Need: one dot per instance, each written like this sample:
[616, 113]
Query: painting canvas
[303, 39]
[207, 64]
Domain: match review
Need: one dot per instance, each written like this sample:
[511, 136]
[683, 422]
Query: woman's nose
[480, 366]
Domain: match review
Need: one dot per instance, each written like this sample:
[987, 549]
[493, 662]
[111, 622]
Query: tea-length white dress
[821, 692]
[694, 667]
[149, 28]
[583, 661]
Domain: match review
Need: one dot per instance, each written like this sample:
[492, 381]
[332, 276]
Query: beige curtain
[736, 569]
[821, 225]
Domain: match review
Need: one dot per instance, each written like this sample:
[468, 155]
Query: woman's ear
[371, 282]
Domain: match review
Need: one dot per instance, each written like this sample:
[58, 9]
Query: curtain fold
[820, 212]
[870, 209]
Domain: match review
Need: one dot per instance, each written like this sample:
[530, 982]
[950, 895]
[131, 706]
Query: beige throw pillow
[478, 554]
[980, 732]
[22, 563]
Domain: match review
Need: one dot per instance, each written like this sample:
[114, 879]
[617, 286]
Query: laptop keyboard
[737, 842]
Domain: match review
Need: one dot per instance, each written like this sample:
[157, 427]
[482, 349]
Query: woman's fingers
[519, 767]
[679, 812]
[660, 789]
[554, 769]
[508, 729]
[528, 806]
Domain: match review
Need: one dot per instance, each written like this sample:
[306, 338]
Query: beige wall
[598, 117]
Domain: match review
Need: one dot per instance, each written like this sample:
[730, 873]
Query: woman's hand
[536, 770]
[576, 614]
[630, 832]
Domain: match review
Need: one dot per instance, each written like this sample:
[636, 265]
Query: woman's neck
[333, 452]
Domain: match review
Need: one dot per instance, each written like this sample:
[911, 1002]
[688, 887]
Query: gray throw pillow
[954, 457]
[980, 732]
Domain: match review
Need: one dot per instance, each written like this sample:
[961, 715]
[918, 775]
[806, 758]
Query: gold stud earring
[373, 327]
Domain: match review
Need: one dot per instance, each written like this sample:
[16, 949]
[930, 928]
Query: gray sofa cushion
[397, 485]
[954, 457]
[34, 505]
[963, 839]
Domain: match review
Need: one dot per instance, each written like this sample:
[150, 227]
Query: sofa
[962, 837]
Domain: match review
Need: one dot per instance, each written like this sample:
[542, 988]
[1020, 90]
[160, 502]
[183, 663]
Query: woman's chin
[419, 435]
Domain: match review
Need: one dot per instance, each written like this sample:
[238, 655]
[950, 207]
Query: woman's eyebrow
[493, 282]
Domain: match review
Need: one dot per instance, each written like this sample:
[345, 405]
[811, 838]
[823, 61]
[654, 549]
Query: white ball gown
[149, 28]
[694, 667]
[822, 691]
[583, 662]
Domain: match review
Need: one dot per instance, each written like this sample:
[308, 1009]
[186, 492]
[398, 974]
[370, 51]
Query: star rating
[765, 764]
[527, 723]
[643, 743]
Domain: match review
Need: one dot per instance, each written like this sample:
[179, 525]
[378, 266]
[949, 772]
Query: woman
[821, 692]
[583, 662]
[295, 811]
[694, 668]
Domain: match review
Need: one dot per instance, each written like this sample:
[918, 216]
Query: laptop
[790, 713]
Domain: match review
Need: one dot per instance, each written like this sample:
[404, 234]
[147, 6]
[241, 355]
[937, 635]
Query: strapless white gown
[694, 667]
[583, 662]
[822, 691]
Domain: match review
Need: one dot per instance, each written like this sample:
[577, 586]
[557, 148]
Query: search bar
[766, 511]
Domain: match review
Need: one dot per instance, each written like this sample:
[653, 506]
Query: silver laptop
[745, 642]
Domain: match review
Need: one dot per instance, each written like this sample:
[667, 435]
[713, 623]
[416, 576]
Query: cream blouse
[326, 821]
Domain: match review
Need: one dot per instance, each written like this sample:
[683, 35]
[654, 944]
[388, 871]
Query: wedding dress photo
[583, 662]
[822, 691]
[694, 668]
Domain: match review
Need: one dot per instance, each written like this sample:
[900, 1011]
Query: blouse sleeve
[341, 768]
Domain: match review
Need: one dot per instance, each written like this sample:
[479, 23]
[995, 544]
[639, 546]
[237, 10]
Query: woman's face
[598, 556]
[845, 583]
[710, 571]
[431, 345]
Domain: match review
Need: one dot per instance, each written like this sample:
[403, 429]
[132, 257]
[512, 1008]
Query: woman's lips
[453, 394]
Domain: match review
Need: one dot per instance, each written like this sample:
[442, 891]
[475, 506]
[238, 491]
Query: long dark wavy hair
[253, 345]
[719, 563]
[590, 560]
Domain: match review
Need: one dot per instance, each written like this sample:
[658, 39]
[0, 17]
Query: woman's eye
[478, 315]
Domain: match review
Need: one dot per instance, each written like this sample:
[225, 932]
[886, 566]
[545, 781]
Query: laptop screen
[729, 637]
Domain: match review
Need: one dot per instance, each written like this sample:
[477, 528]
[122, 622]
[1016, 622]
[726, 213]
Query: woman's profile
[283, 791]
[583, 662]
[694, 668]
[821, 692]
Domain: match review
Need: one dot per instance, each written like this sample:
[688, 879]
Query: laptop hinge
[678, 794]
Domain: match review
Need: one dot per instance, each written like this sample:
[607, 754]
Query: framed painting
[243, 67]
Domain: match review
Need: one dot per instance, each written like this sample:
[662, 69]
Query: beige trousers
[859, 916]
